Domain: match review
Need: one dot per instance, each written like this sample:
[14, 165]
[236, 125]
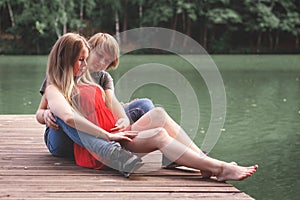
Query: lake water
[262, 110]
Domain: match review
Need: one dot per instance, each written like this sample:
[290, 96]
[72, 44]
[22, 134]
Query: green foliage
[157, 12]
[289, 17]
[32, 26]
[261, 16]
[223, 16]
[188, 7]
[40, 27]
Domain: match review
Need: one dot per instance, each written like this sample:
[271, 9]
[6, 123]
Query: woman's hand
[126, 135]
[50, 120]
[121, 124]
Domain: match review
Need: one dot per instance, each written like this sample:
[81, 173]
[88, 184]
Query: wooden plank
[110, 180]
[126, 196]
[112, 188]
[28, 171]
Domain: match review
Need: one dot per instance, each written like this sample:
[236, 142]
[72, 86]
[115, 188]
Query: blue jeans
[60, 142]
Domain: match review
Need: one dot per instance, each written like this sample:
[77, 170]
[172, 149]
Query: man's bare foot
[232, 172]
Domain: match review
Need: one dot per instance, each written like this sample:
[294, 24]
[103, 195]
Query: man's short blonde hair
[108, 44]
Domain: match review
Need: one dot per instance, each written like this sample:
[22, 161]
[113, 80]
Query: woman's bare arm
[62, 109]
[44, 115]
[41, 110]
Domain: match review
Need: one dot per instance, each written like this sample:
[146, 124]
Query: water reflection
[262, 126]
[20, 79]
[263, 117]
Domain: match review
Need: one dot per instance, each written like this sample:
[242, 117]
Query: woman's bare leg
[158, 139]
[158, 117]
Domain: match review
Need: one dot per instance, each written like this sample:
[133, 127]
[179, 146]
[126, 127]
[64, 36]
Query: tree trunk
[188, 31]
[204, 40]
[174, 33]
[277, 40]
[258, 42]
[270, 40]
[11, 14]
[81, 10]
[56, 27]
[183, 21]
[125, 21]
[81, 13]
[65, 28]
[140, 13]
[38, 48]
[117, 24]
[297, 42]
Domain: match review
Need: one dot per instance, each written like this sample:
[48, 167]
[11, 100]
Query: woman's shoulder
[51, 88]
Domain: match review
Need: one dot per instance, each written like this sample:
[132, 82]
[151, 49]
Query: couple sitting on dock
[90, 124]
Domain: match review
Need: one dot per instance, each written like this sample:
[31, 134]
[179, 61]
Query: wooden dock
[28, 171]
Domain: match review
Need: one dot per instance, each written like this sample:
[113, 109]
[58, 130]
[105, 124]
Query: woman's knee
[159, 110]
[64, 150]
[159, 113]
[58, 143]
[161, 136]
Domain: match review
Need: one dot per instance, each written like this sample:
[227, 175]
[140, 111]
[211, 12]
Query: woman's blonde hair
[60, 65]
[108, 44]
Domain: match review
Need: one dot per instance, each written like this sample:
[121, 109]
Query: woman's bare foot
[208, 174]
[233, 163]
[233, 172]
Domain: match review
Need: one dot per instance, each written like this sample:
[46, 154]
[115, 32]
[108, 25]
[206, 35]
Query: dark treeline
[220, 26]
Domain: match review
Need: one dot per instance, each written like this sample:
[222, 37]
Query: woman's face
[99, 60]
[80, 65]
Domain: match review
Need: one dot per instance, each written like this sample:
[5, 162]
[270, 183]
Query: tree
[38, 21]
[289, 20]
[157, 12]
[10, 10]
[116, 8]
[215, 13]
[32, 26]
[261, 19]
[140, 5]
[175, 14]
[188, 12]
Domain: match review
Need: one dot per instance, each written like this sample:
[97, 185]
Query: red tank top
[94, 109]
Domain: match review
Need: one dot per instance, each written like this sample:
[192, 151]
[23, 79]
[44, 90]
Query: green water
[262, 110]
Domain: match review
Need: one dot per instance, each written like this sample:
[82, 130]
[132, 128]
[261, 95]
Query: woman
[68, 95]
[59, 139]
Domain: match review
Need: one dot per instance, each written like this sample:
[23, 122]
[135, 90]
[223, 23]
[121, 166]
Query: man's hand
[121, 125]
[126, 135]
